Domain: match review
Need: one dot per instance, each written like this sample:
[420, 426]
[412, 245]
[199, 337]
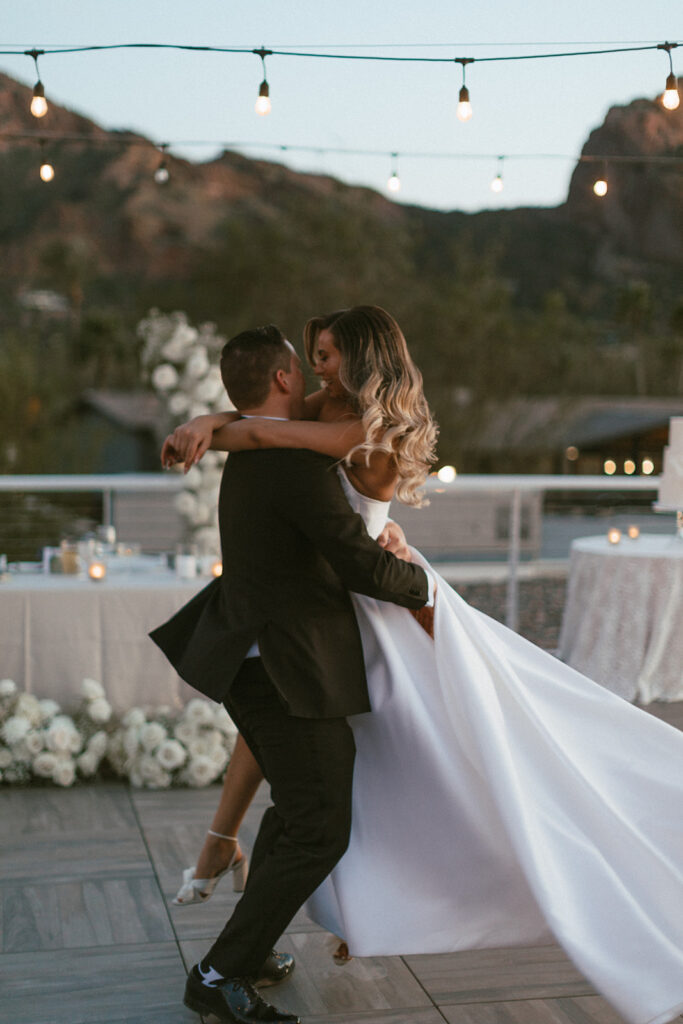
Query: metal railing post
[512, 613]
[108, 508]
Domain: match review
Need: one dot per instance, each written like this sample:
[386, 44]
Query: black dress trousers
[308, 763]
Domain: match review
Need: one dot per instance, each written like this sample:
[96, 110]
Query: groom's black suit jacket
[292, 550]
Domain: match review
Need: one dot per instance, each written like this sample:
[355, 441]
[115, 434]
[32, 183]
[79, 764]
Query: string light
[394, 182]
[47, 171]
[670, 97]
[38, 102]
[464, 105]
[600, 184]
[497, 183]
[161, 175]
[263, 105]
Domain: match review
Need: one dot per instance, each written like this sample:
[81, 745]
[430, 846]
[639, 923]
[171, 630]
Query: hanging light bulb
[47, 171]
[600, 185]
[670, 98]
[161, 175]
[263, 104]
[464, 106]
[394, 182]
[38, 101]
[497, 183]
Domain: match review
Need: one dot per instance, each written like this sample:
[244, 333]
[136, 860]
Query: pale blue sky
[519, 107]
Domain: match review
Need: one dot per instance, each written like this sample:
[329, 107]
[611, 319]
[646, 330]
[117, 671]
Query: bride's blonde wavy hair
[385, 388]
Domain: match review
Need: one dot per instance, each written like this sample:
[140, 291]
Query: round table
[623, 618]
[57, 630]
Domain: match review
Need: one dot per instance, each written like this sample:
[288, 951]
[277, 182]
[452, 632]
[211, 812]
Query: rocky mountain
[217, 230]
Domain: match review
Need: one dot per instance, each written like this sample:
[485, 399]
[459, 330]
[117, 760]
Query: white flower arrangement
[152, 749]
[180, 362]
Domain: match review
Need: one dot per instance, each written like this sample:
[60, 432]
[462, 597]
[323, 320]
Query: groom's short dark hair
[248, 362]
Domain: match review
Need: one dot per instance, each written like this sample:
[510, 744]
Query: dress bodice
[375, 513]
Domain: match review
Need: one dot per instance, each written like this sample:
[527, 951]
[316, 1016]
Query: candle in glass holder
[97, 571]
[217, 569]
[614, 535]
[634, 532]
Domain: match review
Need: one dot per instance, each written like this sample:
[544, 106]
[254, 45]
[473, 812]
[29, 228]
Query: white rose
[185, 503]
[192, 480]
[33, 742]
[185, 732]
[164, 377]
[200, 771]
[199, 747]
[64, 772]
[5, 757]
[171, 754]
[223, 721]
[198, 364]
[97, 744]
[201, 514]
[151, 772]
[7, 688]
[14, 729]
[207, 540]
[178, 344]
[131, 741]
[44, 765]
[198, 712]
[135, 778]
[220, 758]
[49, 708]
[75, 742]
[151, 735]
[91, 689]
[136, 716]
[87, 763]
[28, 707]
[99, 710]
[210, 388]
[178, 404]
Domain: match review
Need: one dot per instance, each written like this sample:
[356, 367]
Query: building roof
[552, 423]
[132, 410]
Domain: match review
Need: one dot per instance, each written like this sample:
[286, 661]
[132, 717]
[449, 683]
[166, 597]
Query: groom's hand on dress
[392, 538]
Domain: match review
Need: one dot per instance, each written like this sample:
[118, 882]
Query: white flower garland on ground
[181, 363]
[152, 749]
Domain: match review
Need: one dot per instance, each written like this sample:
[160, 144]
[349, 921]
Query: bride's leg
[241, 781]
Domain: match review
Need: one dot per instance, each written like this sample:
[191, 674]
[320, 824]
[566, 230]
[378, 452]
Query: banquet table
[55, 630]
[623, 618]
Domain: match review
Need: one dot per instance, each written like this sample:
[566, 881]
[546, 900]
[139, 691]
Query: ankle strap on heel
[219, 835]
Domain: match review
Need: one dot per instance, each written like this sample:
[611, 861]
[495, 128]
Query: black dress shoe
[234, 1000]
[277, 967]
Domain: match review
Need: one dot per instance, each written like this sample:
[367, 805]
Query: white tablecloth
[623, 618]
[56, 630]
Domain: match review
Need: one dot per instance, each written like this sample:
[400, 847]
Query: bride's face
[327, 363]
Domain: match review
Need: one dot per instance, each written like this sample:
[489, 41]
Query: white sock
[210, 978]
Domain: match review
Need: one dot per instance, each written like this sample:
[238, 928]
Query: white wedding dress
[501, 798]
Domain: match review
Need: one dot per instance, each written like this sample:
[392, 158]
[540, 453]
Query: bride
[500, 798]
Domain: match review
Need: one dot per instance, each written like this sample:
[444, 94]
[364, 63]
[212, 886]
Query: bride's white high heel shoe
[199, 890]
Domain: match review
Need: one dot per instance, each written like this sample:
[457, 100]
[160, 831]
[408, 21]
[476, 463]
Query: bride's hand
[392, 538]
[188, 442]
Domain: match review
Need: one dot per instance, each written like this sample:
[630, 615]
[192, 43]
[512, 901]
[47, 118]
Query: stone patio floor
[89, 934]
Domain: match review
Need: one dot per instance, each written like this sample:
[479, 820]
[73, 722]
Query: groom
[276, 640]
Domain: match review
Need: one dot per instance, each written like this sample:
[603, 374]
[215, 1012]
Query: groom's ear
[281, 379]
